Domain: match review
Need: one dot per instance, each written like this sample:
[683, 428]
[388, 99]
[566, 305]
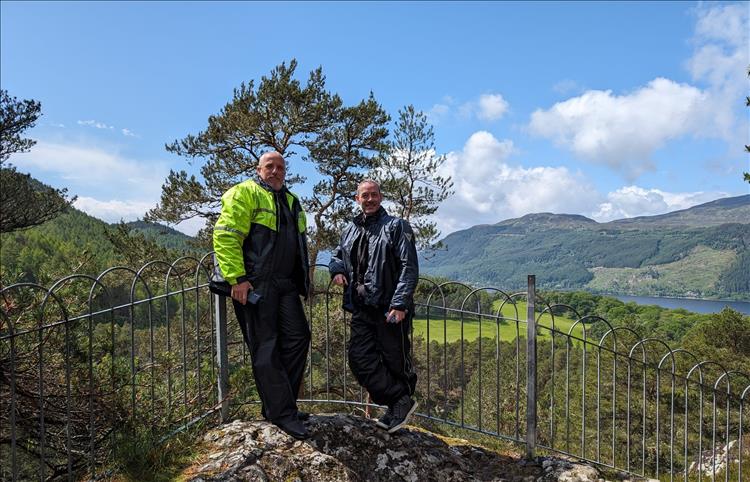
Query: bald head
[266, 156]
[272, 169]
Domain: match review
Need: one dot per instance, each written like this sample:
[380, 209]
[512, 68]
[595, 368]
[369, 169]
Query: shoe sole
[406, 419]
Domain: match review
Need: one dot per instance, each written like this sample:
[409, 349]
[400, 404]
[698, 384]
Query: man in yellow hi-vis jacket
[261, 251]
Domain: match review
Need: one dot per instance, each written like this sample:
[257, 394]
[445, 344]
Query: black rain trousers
[278, 336]
[380, 355]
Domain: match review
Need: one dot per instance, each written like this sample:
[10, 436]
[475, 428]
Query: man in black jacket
[376, 261]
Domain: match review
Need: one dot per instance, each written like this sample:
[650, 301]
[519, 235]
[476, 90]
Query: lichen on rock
[349, 448]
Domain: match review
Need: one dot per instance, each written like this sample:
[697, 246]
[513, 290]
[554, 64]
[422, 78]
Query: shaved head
[272, 169]
[266, 156]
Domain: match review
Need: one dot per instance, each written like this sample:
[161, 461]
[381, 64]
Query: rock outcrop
[349, 448]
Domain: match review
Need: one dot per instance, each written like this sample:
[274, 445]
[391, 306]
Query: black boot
[294, 428]
[402, 410]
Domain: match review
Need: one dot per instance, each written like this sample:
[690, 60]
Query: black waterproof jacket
[392, 272]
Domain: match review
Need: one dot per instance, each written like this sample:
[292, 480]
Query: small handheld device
[391, 319]
[253, 297]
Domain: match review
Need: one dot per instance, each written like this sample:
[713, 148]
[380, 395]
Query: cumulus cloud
[491, 107]
[488, 189]
[440, 110]
[720, 59]
[622, 131]
[93, 166]
[128, 133]
[488, 107]
[95, 124]
[97, 176]
[113, 211]
[633, 201]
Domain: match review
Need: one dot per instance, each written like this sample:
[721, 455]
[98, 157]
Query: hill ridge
[696, 252]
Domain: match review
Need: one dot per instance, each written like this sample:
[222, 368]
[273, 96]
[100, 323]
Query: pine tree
[343, 142]
[350, 147]
[24, 202]
[409, 176]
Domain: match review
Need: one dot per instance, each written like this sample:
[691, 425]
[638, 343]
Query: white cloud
[491, 107]
[102, 125]
[720, 59]
[95, 124]
[113, 211]
[94, 166]
[191, 226]
[440, 110]
[489, 190]
[488, 107]
[566, 86]
[109, 186]
[633, 201]
[623, 131]
[724, 23]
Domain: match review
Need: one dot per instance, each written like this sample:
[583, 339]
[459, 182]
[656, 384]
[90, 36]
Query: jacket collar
[268, 187]
[362, 220]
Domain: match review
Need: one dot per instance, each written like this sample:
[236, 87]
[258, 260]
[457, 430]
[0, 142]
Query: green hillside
[74, 242]
[699, 252]
[163, 235]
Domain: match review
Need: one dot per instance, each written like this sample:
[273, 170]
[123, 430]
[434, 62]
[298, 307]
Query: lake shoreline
[690, 304]
[687, 298]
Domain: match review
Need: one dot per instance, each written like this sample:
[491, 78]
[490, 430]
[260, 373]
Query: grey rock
[348, 448]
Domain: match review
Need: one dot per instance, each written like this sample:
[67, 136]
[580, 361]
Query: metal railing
[93, 362]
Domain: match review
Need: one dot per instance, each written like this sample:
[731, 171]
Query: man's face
[369, 198]
[272, 169]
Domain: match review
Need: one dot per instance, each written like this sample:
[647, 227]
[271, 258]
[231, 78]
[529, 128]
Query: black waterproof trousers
[278, 336]
[380, 355]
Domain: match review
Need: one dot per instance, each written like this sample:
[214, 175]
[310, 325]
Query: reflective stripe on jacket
[244, 236]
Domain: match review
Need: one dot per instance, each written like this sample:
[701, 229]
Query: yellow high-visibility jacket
[245, 234]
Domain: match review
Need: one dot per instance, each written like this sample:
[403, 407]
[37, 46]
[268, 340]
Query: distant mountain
[72, 242]
[697, 252]
[714, 213]
[162, 235]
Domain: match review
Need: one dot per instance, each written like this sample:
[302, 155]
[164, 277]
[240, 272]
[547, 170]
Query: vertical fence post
[222, 358]
[531, 418]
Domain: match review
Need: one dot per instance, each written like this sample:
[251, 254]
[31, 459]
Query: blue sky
[608, 110]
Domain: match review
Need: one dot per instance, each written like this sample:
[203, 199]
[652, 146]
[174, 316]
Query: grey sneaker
[402, 410]
[384, 421]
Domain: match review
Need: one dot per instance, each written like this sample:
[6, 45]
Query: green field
[450, 330]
